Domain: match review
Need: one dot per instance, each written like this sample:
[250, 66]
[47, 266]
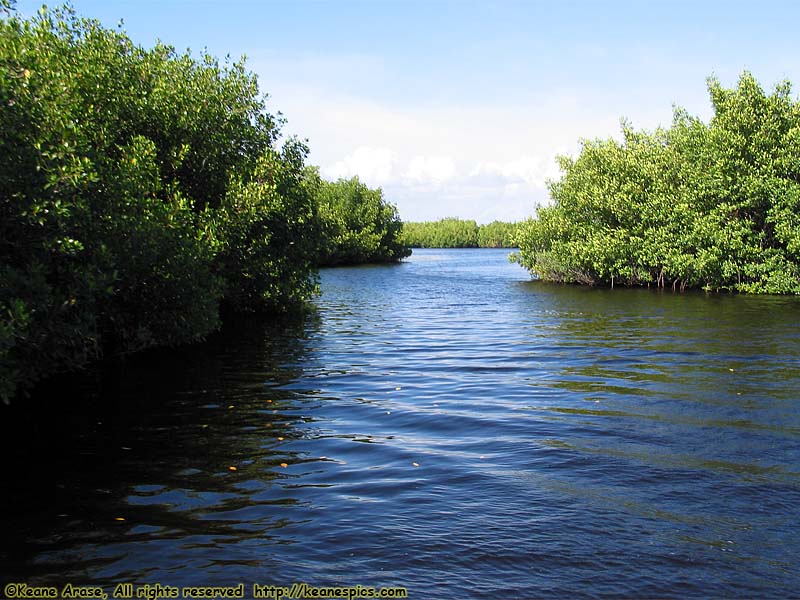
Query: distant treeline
[459, 233]
[141, 190]
[713, 206]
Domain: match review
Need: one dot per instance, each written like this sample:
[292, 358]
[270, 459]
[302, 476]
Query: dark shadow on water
[155, 447]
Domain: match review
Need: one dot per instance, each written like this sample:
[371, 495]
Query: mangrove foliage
[358, 225]
[709, 205]
[143, 189]
[459, 233]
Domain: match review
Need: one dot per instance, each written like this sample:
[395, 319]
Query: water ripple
[445, 425]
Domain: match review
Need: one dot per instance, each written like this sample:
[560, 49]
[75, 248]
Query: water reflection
[119, 470]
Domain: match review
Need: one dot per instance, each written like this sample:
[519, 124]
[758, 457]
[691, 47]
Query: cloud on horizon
[434, 158]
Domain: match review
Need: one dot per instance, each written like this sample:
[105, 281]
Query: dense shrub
[266, 234]
[358, 225]
[446, 233]
[497, 234]
[459, 233]
[138, 188]
[712, 205]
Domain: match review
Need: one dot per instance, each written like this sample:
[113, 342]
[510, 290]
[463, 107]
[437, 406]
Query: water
[444, 425]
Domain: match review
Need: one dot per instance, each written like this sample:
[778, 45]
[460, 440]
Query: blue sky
[458, 108]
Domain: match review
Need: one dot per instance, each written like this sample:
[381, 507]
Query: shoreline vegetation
[459, 233]
[143, 191]
[714, 206]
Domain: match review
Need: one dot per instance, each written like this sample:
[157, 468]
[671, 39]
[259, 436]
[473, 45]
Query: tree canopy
[695, 205]
[358, 225]
[140, 190]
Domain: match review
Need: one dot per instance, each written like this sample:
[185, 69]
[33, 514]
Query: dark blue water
[444, 425]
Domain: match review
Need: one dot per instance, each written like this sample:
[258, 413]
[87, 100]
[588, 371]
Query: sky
[459, 108]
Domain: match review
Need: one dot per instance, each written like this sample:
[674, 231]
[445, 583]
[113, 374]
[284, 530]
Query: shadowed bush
[138, 190]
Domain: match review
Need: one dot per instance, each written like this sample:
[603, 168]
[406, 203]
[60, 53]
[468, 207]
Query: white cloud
[374, 166]
[532, 170]
[430, 169]
[482, 162]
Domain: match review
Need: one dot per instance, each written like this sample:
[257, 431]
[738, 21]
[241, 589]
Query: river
[445, 425]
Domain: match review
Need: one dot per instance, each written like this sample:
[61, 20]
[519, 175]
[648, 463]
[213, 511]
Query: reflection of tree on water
[181, 444]
[648, 333]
